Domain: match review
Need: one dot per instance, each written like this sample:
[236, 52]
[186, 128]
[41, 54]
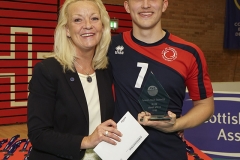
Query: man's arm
[201, 111]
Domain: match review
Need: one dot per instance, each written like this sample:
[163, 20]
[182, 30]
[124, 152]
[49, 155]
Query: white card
[133, 135]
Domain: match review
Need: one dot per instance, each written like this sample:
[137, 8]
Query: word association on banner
[226, 119]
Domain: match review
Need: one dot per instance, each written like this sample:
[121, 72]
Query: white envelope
[133, 135]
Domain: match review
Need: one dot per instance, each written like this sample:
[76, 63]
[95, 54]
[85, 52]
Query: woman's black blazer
[58, 113]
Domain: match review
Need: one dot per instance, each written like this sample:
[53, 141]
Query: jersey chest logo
[169, 54]
[119, 50]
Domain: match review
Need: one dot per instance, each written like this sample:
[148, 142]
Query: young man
[175, 63]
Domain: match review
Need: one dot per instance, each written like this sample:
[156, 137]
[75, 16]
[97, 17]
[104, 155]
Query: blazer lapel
[76, 85]
[101, 92]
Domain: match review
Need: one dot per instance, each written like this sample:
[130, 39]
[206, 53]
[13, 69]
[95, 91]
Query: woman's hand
[164, 126]
[106, 131]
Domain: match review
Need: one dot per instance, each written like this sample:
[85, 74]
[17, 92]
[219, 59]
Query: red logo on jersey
[169, 54]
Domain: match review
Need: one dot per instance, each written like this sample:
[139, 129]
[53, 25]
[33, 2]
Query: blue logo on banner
[220, 136]
[232, 25]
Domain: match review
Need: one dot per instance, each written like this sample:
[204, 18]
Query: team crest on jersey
[169, 54]
[119, 50]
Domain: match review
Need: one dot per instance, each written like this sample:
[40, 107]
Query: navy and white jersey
[176, 64]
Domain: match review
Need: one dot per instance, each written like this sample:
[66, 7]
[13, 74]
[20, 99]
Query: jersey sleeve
[198, 81]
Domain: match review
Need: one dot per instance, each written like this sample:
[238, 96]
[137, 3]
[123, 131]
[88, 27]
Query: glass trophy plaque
[154, 99]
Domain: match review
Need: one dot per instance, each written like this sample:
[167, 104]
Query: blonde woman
[70, 104]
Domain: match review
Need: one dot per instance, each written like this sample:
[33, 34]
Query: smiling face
[146, 14]
[84, 25]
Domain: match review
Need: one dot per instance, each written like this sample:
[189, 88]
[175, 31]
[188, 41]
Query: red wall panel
[35, 6]
[26, 33]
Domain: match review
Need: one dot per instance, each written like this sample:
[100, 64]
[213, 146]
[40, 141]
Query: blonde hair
[64, 50]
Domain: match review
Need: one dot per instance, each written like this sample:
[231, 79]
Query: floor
[8, 131]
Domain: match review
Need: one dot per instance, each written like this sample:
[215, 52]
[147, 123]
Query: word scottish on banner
[219, 137]
[232, 25]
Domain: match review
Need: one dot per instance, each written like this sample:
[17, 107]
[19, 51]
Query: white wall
[226, 86]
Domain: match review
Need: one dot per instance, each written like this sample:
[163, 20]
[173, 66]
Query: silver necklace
[89, 78]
